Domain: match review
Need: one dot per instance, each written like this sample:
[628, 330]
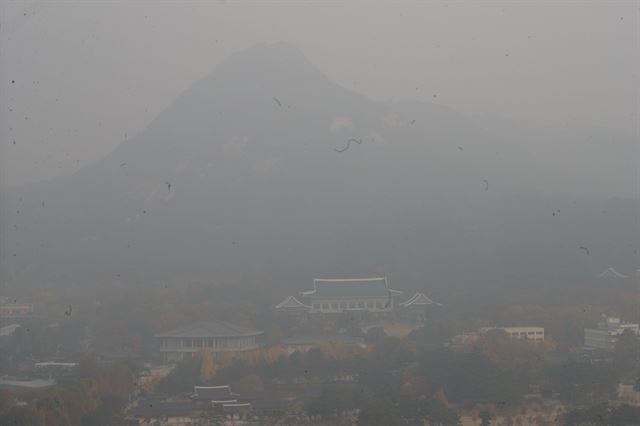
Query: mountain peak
[268, 61]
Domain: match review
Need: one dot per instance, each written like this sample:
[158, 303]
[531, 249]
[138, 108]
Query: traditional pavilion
[355, 294]
[612, 273]
[292, 306]
[416, 307]
[213, 336]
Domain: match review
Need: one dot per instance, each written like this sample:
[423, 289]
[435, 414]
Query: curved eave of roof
[291, 303]
[611, 273]
[418, 299]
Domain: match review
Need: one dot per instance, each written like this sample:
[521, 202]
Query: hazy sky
[78, 78]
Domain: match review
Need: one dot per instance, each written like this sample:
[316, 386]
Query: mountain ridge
[241, 177]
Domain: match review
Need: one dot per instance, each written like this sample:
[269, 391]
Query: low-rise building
[534, 334]
[207, 405]
[293, 308]
[25, 385]
[54, 369]
[607, 332]
[213, 336]
[416, 307]
[356, 294]
[14, 312]
[527, 333]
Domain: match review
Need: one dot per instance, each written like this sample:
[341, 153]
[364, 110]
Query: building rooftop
[418, 299]
[611, 273]
[8, 330]
[292, 303]
[213, 393]
[347, 288]
[12, 383]
[212, 328]
[234, 408]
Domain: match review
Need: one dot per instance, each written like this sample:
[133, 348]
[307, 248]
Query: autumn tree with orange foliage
[207, 367]
[514, 355]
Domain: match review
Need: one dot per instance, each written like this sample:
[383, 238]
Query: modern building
[13, 312]
[535, 334]
[607, 332]
[213, 336]
[357, 294]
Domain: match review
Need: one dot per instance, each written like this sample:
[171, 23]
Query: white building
[535, 334]
[212, 336]
[607, 333]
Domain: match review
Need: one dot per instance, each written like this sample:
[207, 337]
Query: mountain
[268, 172]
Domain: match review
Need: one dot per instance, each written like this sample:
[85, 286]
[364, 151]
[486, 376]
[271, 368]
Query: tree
[625, 354]
[250, 383]
[603, 414]
[379, 412]
[438, 414]
[20, 416]
[207, 366]
[88, 367]
[183, 377]
[485, 418]
[109, 413]
[581, 382]
[467, 376]
[334, 401]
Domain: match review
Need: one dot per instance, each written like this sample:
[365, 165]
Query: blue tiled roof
[351, 288]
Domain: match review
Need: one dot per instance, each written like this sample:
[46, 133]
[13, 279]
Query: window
[334, 306]
[370, 305]
[352, 305]
[343, 306]
[361, 305]
[325, 306]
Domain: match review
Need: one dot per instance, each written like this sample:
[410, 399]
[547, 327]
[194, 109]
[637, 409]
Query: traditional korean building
[416, 307]
[357, 294]
[220, 393]
[213, 336]
[292, 307]
[611, 273]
